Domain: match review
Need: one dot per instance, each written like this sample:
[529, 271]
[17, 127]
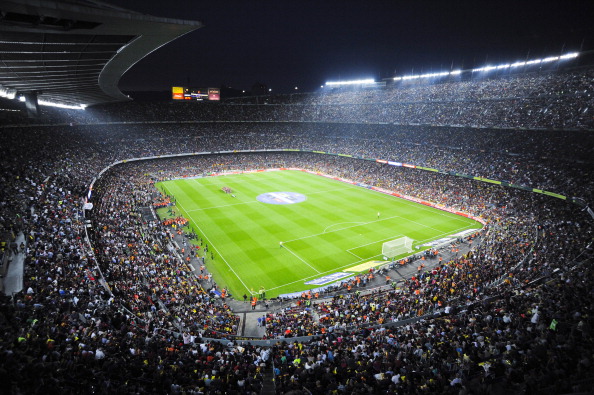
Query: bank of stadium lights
[13, 94]
[532, 62]
[8, 93]
[428, 75]
[549, 59]
[46, 103]
[352, 82]
[60, 105]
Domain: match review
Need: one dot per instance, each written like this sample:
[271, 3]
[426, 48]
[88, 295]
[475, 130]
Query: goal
[396, 247]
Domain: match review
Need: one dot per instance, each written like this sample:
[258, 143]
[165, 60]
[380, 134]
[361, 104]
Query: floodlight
[8, 93]
[571, 55]
[61, 105]
[485, 68]
[353, 82]
[550, 59]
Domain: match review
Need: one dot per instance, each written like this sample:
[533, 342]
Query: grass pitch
[336, 227]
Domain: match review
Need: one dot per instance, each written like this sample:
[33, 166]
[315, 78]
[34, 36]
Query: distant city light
[352, 82]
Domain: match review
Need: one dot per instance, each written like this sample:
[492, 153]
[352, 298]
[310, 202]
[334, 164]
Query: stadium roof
[74, 52]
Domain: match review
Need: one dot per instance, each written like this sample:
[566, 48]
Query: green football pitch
[281, 229]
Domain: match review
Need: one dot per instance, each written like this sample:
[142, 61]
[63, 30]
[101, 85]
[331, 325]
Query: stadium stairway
[268, 387]
[13, 278]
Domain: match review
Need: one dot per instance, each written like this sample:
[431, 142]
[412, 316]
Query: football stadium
[423, 233]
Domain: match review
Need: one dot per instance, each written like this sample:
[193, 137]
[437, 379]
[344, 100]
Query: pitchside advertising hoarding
[195, 94]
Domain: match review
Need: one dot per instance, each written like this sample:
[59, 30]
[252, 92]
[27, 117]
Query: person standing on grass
[378, 214]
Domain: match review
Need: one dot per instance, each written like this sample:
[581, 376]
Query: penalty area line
[342, 223]
[301, 259]
[339, 268]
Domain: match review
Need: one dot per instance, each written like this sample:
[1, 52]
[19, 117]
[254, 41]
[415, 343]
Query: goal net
[396, 247]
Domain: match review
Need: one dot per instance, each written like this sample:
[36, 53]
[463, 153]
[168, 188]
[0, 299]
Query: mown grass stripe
[336, 227]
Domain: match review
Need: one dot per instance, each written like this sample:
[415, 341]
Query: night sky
[305, 43]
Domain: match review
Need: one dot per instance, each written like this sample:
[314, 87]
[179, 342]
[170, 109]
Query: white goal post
[396, 247]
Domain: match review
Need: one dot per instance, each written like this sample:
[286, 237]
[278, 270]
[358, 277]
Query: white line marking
[338, 230]
[218, 252]
[335, 269]
[298, 257]
[340, 223]
[353, 254]
[363, 224]
[377, 241]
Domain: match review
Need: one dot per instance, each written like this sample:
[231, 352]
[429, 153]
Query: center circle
[281, 197]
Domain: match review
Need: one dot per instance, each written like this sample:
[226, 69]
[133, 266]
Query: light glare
[60, 105]
[353, 82]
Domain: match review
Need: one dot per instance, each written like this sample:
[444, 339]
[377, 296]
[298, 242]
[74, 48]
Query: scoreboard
[195, 94]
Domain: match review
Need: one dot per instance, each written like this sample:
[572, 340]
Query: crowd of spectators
[157, 295]
[555, 161]
[531, 340]
[545, 99]
[140, 268]
[123, 315]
